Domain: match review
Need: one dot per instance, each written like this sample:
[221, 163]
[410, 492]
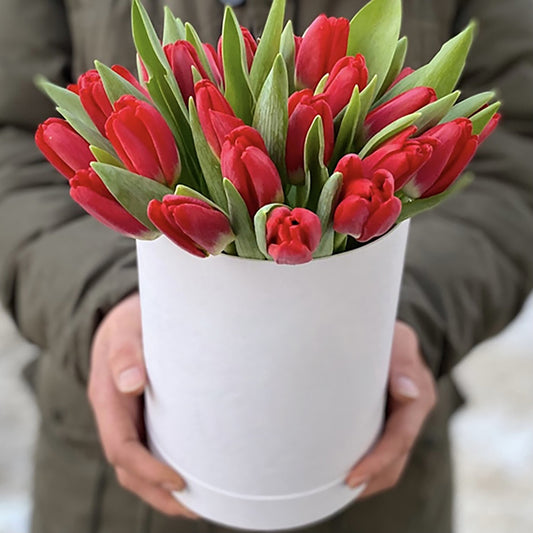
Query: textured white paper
[267, 382]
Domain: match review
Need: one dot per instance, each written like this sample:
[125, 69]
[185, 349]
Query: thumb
[404, 359]
[127, 365]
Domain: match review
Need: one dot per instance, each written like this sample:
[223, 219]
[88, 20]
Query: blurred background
[492, 435]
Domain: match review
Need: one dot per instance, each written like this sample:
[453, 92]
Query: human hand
[116, 383]
[412, 396]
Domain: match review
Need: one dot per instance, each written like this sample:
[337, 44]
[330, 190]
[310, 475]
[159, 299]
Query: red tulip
[245, 162]
[215, 63]
[292, 236]
[67, 151]
[88, 190]
[403, 104]
[345, 75]
[323, 44]
[250, 46]
[401, 156]
[490, 127]
[93, 97]
[143, 140]
[454, 149]
[303, 109]
[216, 115]
[368, 207]
[192, 224]
[182, 56]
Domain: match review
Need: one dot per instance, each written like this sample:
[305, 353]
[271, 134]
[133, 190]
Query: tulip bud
[93, 97]
[192, 224]
[215, 63]
[400, 106]
[88, 190]
[182, 56]
[215, 114]
[490, 127]
[250, 46]
[303, 109]
[244, 160]
[368, 207]
[67, 151]
[143, 140]
[345, 75]
[401, 156]
[292, 236]
[323, 44]
[455, 147]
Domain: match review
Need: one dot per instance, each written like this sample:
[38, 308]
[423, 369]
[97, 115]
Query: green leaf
[268, 46]
[260, 221]
[415, 207]
[194, 39]
[432, 113]
[241, 223]
[271, 117]
[321, 84]
[326, 205]
[69, 106]
[442, 72]
[374, 32]
[314, 162]
[115, 85]
[348, 128]
[482, 118]
[398, 60]
[132, 191]
[468, 107]
[173, 29]
[209, 162]
[388, 132]
[287, 50]
[102, 156]
[238, 90]
[366, 98]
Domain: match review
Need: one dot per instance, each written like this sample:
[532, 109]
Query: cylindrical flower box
[267, 383]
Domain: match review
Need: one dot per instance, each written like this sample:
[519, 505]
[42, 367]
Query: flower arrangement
[288, 148]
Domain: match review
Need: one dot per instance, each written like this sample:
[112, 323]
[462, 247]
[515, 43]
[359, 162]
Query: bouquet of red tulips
[290, 148]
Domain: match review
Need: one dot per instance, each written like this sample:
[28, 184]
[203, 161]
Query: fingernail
[130, 380]
[356, 481]
[406, 387]
[173, 487]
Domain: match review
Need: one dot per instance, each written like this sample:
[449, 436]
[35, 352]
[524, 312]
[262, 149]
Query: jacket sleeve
[469, 263]
[60, 270]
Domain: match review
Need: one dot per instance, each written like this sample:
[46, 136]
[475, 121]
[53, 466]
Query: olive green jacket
[469, 264]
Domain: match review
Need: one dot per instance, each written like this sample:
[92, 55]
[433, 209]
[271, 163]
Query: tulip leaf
[194, 39]
[268, 46]
[321, 84]
[115, 85]
[366, 98]
[468, 107]
[287, 50]
[348, 128]
[398, 60]
[271, 117]
[326, 207]
[241, 223]
[132, 191]
[238, 90]
[314, 162]
[482, 118]
[209, 162]
[388, 132]
[183, 190]
[69, 106]
[442, 72]
[173, 29]
[102, 156]
[374, 33]
[260, 222]
[432, 113]
[415, 207]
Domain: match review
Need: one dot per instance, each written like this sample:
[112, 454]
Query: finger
[126, 362]
[401, 430]
[157, 497]
[388, 479]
